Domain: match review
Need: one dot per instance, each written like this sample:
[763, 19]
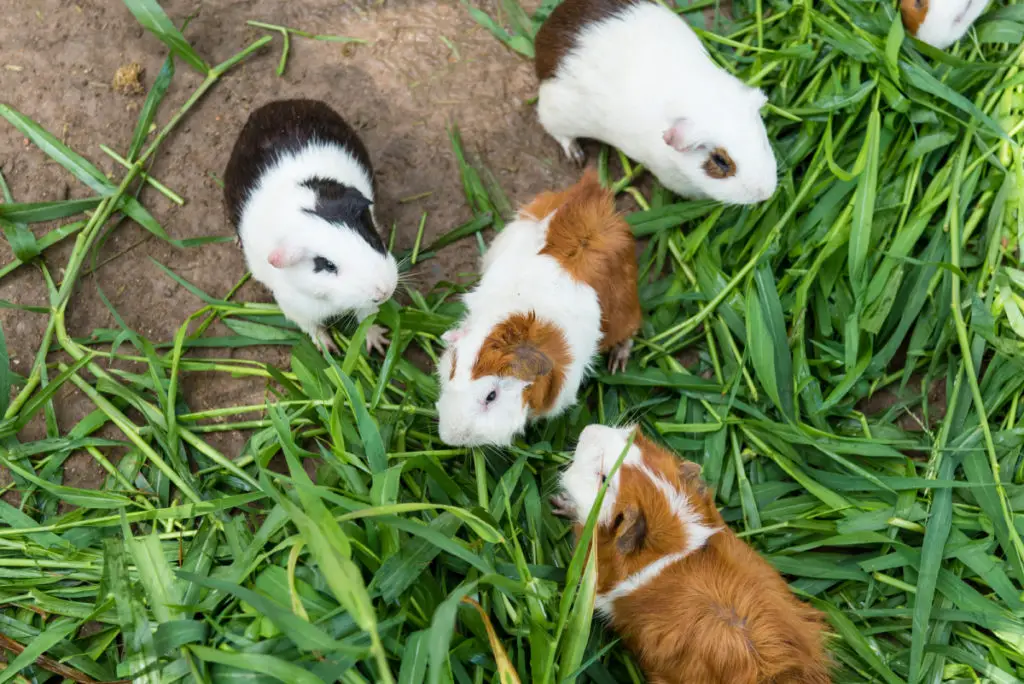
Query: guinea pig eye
[320, 264]
[719, 164]
[604, 478]
[618, 521]
[492, 396]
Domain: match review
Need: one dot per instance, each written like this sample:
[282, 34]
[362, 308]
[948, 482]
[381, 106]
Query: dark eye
[321, 264]
[618, 521]
[604, 478]
[492, 396]
[719, 164]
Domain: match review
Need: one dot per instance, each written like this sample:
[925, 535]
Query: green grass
[886, 265]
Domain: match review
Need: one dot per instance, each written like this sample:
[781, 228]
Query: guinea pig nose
[381, 295]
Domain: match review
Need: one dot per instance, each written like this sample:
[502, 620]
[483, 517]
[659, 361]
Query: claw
[562, 506]
[618, 357]
[573, 151]
[376, 339]
[324, 342]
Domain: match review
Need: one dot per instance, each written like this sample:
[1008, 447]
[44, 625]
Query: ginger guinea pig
[633, 74]
[557, 284]
[940, 23]
[299, 189]
[694, 603]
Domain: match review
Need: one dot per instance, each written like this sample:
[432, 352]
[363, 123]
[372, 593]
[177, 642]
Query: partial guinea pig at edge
[299, 188]
[634, 75]
[693, 602]
[940, 23]
[558, 284]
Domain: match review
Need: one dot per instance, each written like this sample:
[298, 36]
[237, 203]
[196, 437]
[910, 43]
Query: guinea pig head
[494, 377]
[655, 510]
[723, 147]
[332, 252]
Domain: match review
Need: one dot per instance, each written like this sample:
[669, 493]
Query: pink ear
[282, 257]
[676, 138]
[452, 336]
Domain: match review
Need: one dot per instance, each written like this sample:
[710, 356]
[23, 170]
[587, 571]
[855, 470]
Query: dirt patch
[426, 65]
[128, 80]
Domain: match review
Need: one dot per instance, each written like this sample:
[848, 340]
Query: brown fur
[455, 360]
[530, 349]
[722, 615]
[712, 168]
[595, 245]
[558, 34]
[914, 12]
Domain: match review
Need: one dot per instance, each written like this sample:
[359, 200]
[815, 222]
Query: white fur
[948, 20]
[273, 216]
[515, 279]
[596, 454]
[634, 76]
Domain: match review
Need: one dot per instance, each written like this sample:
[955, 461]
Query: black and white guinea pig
[300, 190]
[633, 74]
[940, 23]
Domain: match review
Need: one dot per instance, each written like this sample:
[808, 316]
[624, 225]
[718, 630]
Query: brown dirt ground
[58, 60]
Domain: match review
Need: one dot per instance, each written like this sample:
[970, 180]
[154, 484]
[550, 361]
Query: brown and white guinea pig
[633, 74]
[299, 189]
[557, 284]
[940, 23]
[693, 602]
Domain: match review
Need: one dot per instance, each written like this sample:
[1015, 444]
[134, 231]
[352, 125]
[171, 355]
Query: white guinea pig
[940, 23]
[632, 74]
[558, 284]
[299, 189]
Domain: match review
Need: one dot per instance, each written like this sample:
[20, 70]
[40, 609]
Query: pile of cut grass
[845, 361]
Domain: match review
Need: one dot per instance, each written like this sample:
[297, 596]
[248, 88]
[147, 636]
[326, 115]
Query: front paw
[618, 356]
[376, 339]
[563, 506]
[324, 342]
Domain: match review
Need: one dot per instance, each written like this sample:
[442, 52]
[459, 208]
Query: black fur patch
[278, 128]
[320, 264]
[342, 204]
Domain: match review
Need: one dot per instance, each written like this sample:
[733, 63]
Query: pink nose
[381, 295]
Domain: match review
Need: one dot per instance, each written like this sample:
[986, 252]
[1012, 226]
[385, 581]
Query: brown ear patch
[595, 245]
[719, 164]
[689, 471]
[631, 530]
[682, 475]
[647, 530]
[533, 350]
[913, 12]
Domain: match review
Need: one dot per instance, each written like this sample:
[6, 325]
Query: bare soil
[426, 65]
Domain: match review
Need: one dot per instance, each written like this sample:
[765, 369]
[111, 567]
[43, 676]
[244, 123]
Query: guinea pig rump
[593, 243]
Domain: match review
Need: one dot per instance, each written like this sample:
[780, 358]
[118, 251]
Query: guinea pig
[940, 23]
[693, 602]
[299, 189]
[557, 284]
[632, 74]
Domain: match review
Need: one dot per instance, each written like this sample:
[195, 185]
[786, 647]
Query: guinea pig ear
[680, 136]
[529, 363]
[688, 471]
[284, 257]
[452, 336]
[631, 530]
